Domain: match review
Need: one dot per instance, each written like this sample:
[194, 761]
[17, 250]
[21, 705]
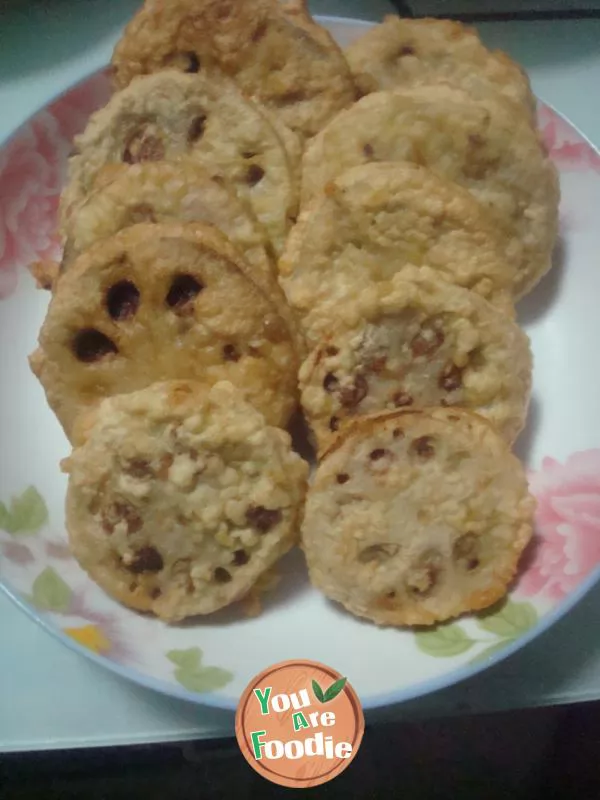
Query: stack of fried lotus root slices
[427, 209]
[236, 223]
[169, 352]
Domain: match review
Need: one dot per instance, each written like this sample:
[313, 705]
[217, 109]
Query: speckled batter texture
[416, 341]
[480, 145]
[415, 517]
[163, 116]
[275, 51]
[166, 191]
[377, 218]
[158, 302]
[181, 497]
[408, 52]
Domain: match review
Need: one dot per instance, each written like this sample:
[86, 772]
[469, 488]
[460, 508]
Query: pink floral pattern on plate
[567, 546]
[32, 169]
[566, 147]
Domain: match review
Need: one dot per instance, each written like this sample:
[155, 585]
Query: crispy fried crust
[183, 191]
[275, 52]
[415, 517]
[167, 191]
[157, 302]
[373, 221]
[181, 497]
[478, 144]
[399, 53]
[415, 341]
[205, 117]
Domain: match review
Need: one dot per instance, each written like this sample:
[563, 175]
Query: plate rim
[372, 703]
[227, 703]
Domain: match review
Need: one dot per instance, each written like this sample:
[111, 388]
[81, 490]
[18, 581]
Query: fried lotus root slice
[178, 191]
[399, 53]
[479, 144]
[204, 117]
[276, 52]
[417, 341]
[181, 497]
[158, 302]
[167, 191]
[377, 218]
[415, 517]
[45, 273]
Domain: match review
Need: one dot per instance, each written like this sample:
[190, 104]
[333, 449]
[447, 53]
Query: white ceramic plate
[211, 661]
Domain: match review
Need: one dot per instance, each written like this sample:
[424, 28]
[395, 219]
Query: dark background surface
[473, 10]
[545, 754]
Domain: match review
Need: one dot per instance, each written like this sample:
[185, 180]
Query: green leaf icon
[27, 513]
[334, 689]
[186, 659]
[50, 592]
[194, 677]
[443, 642]
[512, 620]
[488, 652]
[318, 691]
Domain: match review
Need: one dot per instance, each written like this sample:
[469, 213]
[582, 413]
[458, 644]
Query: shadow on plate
[526, 441]
[540, 301]
[293, 581]
[301, 437]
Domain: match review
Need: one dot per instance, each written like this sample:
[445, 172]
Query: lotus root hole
[122, 300]
[184, 289]
[91, 345]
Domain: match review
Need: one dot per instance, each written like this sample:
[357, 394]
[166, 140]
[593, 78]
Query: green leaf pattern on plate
[506, 623]
[186, 659]
[512, 620]
[50, 592]
[194, 677]
[26, 514]
[443, 641]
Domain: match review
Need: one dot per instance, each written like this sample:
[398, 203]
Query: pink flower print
[29, 186]
[567, 525]
[32, 172]
[569, 151]
[60, 550]
[17, 553]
